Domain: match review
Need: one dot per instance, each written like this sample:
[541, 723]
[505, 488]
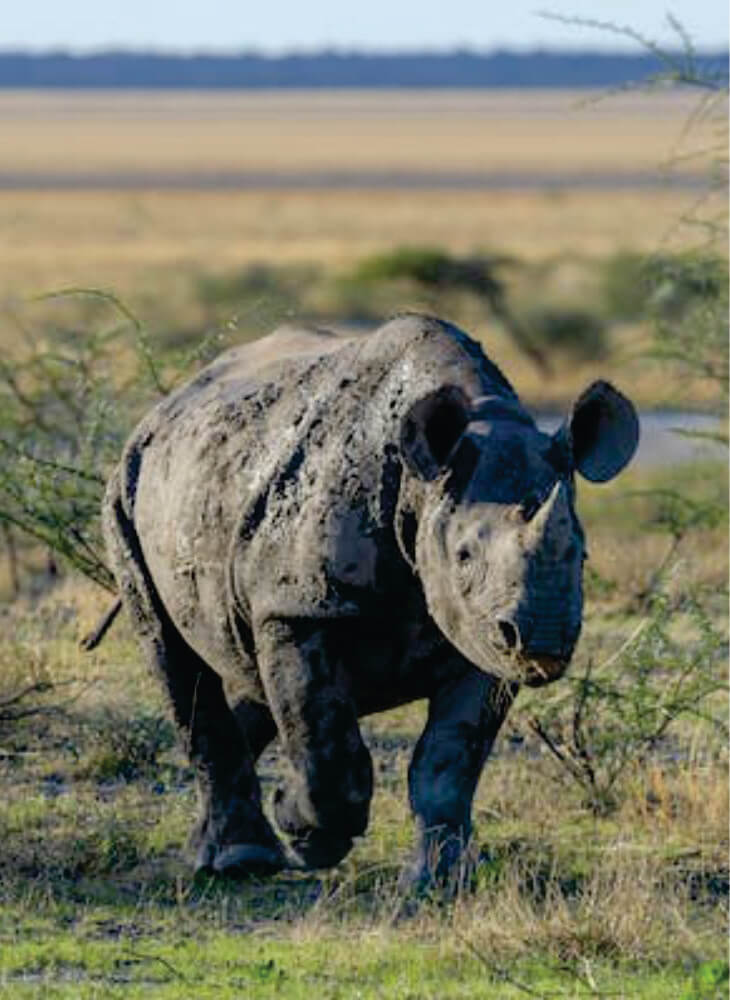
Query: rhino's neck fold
[408, 513]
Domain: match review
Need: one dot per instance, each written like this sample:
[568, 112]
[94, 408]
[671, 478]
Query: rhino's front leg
[464, 717]
[327, 801]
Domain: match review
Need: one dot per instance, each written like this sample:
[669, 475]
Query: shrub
[433, 268]
[689, 302]
[126, 747]
[575, 333]
[623, 289]
[68, 399]
[604, 720]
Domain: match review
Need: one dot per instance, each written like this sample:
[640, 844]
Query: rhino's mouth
[518, 667]
[534, 671]
[539, 670]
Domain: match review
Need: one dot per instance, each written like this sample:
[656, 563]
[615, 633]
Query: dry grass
[558, 886]
[151, 246]
[137, 242]
[326, 130]
[145, 238]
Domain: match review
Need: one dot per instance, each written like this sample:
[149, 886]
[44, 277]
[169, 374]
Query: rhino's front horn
[539, 523]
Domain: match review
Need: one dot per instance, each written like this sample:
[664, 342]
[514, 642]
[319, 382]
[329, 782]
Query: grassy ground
[97, 897]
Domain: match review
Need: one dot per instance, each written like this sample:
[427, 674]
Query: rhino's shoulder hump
[444, 350]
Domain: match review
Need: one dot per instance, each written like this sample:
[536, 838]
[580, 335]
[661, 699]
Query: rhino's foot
[319, 849]
[314, 846]
[240, 860]
[443, 864]
[236, 844]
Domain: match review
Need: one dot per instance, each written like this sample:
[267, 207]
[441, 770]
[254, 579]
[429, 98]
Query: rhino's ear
[431, 428]
[603, 431]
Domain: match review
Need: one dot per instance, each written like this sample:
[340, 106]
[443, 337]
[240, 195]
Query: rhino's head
[498, 545]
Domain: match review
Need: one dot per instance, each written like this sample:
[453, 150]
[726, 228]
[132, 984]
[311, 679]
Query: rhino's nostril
[509, 634]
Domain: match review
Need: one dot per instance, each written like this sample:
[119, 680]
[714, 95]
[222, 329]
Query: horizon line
[346, 51]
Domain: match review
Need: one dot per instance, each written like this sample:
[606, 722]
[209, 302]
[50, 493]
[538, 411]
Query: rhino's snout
[537, 662]
[520, 636]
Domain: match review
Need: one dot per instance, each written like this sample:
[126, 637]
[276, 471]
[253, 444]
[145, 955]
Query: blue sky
[281, 25]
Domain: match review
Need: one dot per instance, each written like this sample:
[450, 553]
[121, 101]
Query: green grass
[108, 954]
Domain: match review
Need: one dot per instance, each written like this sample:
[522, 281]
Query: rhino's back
[271, 477]
[263, 360]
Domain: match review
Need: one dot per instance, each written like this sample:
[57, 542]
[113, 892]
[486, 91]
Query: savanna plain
[575, 238]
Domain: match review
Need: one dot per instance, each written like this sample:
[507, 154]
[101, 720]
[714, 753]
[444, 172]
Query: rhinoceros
[318, 527]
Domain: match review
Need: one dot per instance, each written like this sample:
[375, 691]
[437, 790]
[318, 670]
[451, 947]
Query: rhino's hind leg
[233, 835]
[463, 721]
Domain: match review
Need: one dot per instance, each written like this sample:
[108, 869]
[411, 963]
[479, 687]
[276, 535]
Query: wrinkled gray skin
[316, 528]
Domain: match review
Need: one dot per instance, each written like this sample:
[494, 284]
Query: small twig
[138, 956]
[498, 971]
[92, 639]
[586, 979]
[102, 295]
[12, 554]
[8, 377]
[589, 975]
[579, 745]
[91, 477]
[625, 645]
[28, 713]
[537, 728]
[92, 554]
[39, 687]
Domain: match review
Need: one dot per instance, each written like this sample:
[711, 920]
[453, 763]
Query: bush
[68, 399]
[65, 403]
[575, 333]
[666, 286]
[432, 268]
[604, 720]
[689, 302]
[623, 288]
[128, 748]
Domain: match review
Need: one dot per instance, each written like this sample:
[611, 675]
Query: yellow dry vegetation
[151, 244]
[122, 239]
[149, 235]
[419, 131]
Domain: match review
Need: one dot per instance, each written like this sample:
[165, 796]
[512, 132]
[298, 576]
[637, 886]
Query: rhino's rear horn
[431, 428]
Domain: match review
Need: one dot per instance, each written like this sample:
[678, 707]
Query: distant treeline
[334, 69]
